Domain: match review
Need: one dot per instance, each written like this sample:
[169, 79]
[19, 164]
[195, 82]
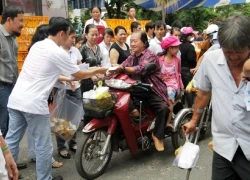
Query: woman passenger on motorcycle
[156, 97]
[171, 69]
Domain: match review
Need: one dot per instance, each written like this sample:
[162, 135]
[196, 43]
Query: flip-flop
[64, 154]
[57, 164]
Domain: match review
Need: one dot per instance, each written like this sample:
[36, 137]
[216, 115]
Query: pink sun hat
[188, 30]
[170, 41]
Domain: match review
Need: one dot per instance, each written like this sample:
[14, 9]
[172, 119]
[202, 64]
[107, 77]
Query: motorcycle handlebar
[145, 85]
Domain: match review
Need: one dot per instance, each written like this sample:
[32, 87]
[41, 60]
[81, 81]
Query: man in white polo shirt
[220, 74]
[28, 106]
[160, 32]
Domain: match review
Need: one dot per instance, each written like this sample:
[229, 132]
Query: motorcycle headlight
[117, 84]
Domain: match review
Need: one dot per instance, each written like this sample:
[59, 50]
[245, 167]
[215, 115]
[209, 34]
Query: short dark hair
[177, 23]
[88, 27]
[40, 34]
[133, 25]
[80, 38]
[174, 29]
[11, 12]
[117, 28]
[130, 7]
[185, 36]
[57, 24]
[159, 23]
[97, 8]
[72, 30]
[108, 31]
[234, 33]
[149, 25]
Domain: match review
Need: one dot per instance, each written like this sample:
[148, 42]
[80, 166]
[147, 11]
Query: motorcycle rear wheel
[89, 163]
[178, 138]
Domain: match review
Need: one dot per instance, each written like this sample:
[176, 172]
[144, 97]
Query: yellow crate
[113, 23]
[23, 46]
[21, 56]
[20, 64]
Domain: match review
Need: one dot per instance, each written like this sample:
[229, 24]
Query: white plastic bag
[188, 156]
[66, 116]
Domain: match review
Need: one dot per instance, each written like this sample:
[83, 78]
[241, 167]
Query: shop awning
[185, 4]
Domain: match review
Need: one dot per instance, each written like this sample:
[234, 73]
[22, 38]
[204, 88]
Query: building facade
[79, 4]
[39, 7]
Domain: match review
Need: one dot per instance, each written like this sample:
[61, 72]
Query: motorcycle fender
[179, 117]
[95, 123]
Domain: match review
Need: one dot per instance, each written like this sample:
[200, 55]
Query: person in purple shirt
[156, 97]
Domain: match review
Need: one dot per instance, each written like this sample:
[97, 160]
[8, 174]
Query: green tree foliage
[229, 10]
[195, 17]
[199, 17]
[117, 9]
[114, 9]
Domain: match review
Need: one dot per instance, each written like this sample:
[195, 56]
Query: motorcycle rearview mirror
[150, 67]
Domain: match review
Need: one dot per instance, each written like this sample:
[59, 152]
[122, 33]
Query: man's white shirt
[155, 46]
[41, 69]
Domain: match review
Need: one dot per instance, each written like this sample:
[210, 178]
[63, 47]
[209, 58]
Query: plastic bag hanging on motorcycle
[66, 116]
[98, 102]
[187, 156]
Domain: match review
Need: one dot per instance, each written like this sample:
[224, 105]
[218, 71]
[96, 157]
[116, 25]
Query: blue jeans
[31, 147]
[60, 142]
[39, 126]
[5, 91]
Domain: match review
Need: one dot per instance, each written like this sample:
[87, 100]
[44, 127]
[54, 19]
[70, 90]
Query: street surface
[150, 165]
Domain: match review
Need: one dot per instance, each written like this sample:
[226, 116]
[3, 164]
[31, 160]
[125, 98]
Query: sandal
[73, 148]
[64, 154]
[57, 164]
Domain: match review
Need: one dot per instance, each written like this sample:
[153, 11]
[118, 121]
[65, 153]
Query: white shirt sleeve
[65, 64]
[0, 133]
[152, 46]
[104, 23]
[128, 40]
[78, 54]
[202, 76]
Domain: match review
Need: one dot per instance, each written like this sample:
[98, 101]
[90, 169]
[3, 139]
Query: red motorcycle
[114, 129]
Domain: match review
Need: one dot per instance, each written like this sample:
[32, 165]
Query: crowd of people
[55, 53]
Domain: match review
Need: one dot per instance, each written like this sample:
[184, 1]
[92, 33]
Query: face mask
[192, 39]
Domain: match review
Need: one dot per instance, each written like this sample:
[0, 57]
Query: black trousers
[159, 107]
[187, 76]
[238, 169]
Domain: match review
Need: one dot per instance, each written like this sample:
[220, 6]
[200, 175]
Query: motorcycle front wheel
[178, 138]
[90, 164]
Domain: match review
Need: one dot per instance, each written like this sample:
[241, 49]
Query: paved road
[150, 165]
